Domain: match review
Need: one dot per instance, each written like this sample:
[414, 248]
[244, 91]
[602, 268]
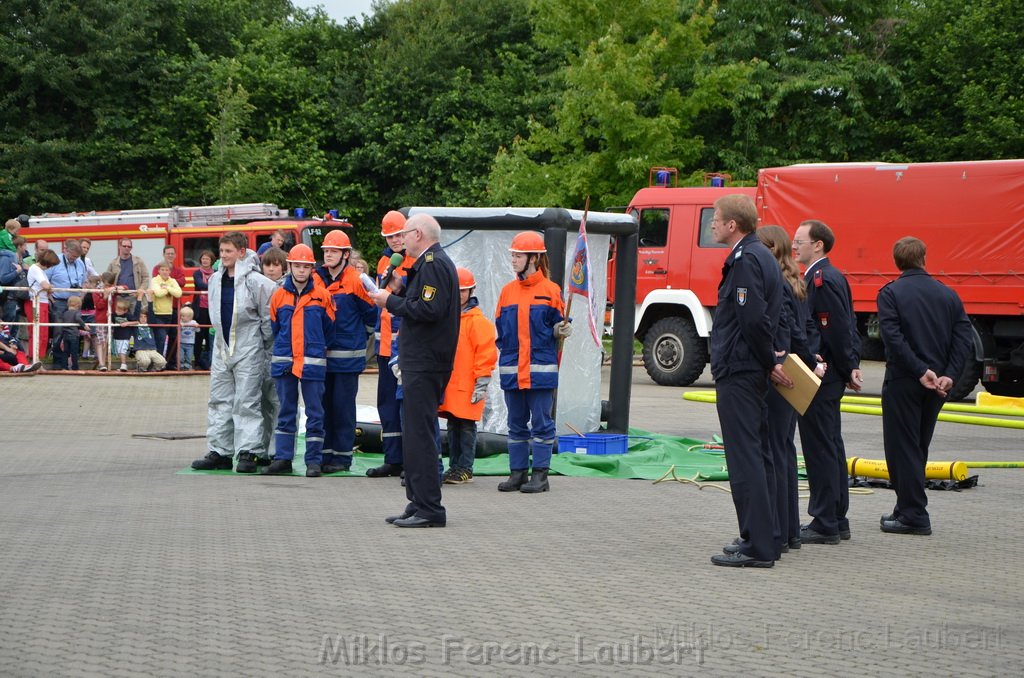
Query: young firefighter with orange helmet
[388, 406]
[354, 316]
[529, 321]
[463, 402]
[302, 320]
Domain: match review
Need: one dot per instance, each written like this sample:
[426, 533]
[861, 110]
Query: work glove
[563, 330]
[397, 371]
[480, 389]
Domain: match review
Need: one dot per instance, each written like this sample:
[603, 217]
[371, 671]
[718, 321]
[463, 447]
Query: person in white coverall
[240, 313]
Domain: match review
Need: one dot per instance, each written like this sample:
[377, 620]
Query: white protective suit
[240, 368]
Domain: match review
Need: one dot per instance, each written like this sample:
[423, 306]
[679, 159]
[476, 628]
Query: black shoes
[795, 543]
[334, 468]
[212, 462]
[845, 534]
[391, 519]
[279, 467]
[416, 521]
[810, 536]
[897, 526]
[515, 481]
[246, 463]
[313, 470]
[384, 470]
[457, 476]
[740, 560]
[538, 483]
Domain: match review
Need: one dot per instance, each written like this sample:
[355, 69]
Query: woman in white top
[40, 285]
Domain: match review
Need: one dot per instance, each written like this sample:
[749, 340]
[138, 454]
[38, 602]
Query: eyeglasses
[798, 243]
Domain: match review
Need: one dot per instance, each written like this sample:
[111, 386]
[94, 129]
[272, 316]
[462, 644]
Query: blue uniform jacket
[831, 325]
[303, 326]
[923, 327]
[354, 317]
[748, 312]
[791, 336]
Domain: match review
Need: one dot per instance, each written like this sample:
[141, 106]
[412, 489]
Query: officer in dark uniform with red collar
[430, 310]
[742, 358]
[927, 338]
[832, 334]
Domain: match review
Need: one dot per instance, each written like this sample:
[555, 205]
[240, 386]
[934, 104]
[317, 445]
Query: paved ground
[112, 565]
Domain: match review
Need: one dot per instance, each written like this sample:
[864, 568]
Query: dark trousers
[781, 428]
[288, 386]
[389, 410]
[340, 417]
[909, 412]
[461, 443]
[421, 448]
[66, 349]
[825, 459]
[743, 416]
[164, 337]
[204, 343]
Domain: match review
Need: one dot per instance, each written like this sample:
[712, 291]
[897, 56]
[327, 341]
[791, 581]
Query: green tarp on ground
[650, 456]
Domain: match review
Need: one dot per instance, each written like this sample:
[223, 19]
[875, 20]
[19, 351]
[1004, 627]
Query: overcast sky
[339, 10]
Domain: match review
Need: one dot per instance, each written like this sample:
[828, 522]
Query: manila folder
[805, 384]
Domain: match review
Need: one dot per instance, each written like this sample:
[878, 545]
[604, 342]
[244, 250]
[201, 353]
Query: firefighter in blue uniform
[429, 308]
[742, 358]
[832, 334]
[927, 339]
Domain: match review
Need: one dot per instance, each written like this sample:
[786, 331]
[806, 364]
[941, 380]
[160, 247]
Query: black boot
[279, 467]
[538, 483]
[313, 470]
[384, 470]
[213, 462]
[246, 463]
[516, 480]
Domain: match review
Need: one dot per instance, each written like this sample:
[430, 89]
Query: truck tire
[674, 354]
[871, 349]
[964, 386]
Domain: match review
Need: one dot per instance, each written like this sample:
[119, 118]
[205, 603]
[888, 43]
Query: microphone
[395, 261]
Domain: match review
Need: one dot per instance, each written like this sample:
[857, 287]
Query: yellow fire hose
[948, 407]
[933, 470]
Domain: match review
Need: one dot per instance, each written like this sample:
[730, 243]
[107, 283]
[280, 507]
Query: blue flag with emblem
[579, 277]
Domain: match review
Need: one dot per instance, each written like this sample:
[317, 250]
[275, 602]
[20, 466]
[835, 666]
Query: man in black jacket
[430, 310]
[927, 338]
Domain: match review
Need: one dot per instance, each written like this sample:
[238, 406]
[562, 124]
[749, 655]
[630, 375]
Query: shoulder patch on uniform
[818, 280]
[823, 319]
[429, 256]
[428, 293]
[738, 253]
[741, 295]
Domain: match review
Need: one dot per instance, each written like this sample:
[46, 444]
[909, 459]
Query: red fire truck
[969, 214]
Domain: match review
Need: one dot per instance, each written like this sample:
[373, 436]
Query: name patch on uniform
[428, 293]
[429, 256]
[823, 319]
[741, 295]
[818, 280]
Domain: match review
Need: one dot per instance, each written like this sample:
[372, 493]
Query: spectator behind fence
[89, 316]
[39, 282]
[187, 335]
[10, 230]
[67, 342]
[86, 245]
[68, 274]
[165, 291]
[147, 357]
[129, 270]
[126, 317]
[10, 273]
[40, 246]
[12, 357]
[201, 306]
[101, 302]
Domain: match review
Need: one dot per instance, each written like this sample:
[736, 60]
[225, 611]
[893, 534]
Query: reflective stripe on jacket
[303, 326]
[475, 357]
[527, 313]
[354, 316]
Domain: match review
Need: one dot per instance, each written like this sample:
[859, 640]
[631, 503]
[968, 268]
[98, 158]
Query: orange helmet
[301, 254]
[392, 223]
[528, 242]
[336, 240]
[466, 279]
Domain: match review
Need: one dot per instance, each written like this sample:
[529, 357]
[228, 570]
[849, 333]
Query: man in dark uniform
[927, 338]
[832, 334]
[429, 308]
[742, 358]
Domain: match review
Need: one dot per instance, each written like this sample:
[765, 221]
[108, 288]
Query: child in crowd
[274, 262]
[12, 358]
[89, 316]
[147, 357]
[10, 230]
[101, 302]
[463, 402]
[302, 320]
[68, 343]
[165, 290]
[187, 334]
[126, 317]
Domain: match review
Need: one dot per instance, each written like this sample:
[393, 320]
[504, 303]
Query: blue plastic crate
[594, 443]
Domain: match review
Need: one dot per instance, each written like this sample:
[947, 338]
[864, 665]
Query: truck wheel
[674, 354]
[872, 349]
[964, 386]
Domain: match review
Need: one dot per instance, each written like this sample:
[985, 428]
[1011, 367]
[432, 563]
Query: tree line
[121, 104]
